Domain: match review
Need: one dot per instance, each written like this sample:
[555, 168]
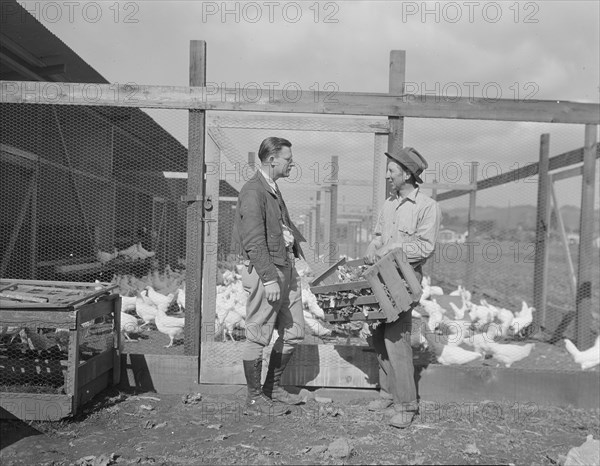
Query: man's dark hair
[272, 146]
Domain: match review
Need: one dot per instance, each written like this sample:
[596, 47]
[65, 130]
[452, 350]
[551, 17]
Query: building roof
[30, 52]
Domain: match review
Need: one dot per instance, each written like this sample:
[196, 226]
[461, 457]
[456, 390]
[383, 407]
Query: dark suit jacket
[257, 230]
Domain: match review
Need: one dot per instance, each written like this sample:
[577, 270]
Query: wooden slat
[393, 281]
[558, 161]
[297, 123]
[349, 286]
[329, 275]
[408, 274]
[384, 302]
[586, 265]
[372, 315]
[21, 296]
[195, 212]
[348, 103]
[103, 307]
[94, 367]
[563, 175]
[359, 301]
[542, 235]
[49, 317]
[161, 373]
[71, 380]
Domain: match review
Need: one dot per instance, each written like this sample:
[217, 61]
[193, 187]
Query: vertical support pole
[327, 246]
[540, 267]
[194, 224]
[318, 232]
[396, 87]
[428, 269]
[334, 247]
[380, 188]
[72, 382]
[116, 304]
[251, 161]
[470, 273]
[564, 240]
[33, 239]
[586, 237]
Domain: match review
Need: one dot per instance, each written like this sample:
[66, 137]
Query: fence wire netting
[96, 194]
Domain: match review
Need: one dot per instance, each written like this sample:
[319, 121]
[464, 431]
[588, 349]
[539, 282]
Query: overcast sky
[542, 50]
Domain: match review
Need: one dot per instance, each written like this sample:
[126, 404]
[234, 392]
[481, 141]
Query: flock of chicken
[471, 332]
[457, 335]
[150, 298]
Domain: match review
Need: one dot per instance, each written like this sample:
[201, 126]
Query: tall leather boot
[272, 387]
[256, 401]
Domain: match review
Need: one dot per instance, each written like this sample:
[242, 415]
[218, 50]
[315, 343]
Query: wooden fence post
[586, 238]
[540, 268]
[195, 209]
[470, 272]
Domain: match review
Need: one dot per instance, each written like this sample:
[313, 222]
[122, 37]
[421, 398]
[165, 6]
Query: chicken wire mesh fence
[95, 194]
[85, 197]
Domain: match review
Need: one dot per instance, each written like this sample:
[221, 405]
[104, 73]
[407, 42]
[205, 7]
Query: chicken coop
[137, 186]
[60, 346]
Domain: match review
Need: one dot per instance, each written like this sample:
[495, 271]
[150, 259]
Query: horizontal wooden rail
[556, 162]
[298, 101]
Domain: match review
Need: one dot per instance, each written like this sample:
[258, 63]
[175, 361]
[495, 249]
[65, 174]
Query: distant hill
[512, 217]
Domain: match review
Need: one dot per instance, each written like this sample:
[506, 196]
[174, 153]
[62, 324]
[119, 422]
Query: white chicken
[508, 353]
[431, 306]
[452, 355]
[459, 313]
[145, 308]
[435, 319]
[129, 325]
[169, 325]
[480, 315]
[159, 299]
[129, 252]
[522, 319]
[316, 327]
[181, 298]
[458, 291]
[309, 301]
[104, 257]
[449, 354]
[429, 290]
[228, 322]
[588, 358]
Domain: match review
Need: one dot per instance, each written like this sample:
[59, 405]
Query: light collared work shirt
[411, 222]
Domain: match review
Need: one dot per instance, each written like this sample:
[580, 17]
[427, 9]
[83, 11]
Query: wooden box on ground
[59, 346]
[384, 290]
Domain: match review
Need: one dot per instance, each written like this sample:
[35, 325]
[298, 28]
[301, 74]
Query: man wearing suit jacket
[269, 244]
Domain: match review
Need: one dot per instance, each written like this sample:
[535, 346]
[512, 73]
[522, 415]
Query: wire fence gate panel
[98, 193]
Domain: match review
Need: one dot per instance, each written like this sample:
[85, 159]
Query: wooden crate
[390, 272]
[30, 304]
[394, 284]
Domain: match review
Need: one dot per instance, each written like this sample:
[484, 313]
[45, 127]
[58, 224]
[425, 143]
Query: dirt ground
[210, 428]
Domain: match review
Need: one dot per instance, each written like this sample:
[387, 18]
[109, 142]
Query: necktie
[284, 212]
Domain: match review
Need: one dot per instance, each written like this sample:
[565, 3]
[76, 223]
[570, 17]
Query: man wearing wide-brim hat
[409, 219]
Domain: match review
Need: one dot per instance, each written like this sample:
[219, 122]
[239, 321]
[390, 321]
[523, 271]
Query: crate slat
[392, 279]
[408, 273]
